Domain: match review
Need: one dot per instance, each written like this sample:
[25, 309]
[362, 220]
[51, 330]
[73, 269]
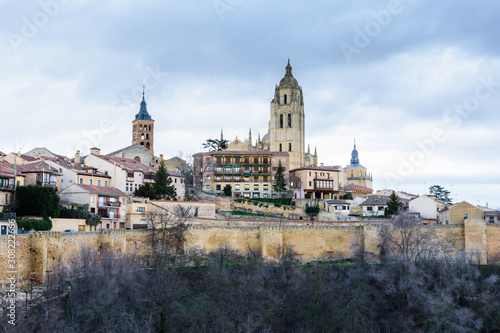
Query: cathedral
[286, 127]
[355, 173]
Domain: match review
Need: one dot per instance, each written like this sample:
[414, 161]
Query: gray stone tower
[287, 123]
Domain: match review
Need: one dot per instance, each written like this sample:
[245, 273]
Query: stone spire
[249, 139]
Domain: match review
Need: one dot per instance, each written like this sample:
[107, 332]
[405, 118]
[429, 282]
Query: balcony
[108, 203]
[106, 214]
[7, 187]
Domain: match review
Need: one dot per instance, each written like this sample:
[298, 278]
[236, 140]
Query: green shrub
[312, 209]
[34, 224]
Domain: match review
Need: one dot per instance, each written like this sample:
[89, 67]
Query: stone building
[355, 173]
[143, 128]
[250, 174]
[315, 182]
[286, 127]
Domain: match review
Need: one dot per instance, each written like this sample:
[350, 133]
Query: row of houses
[103, 182]
[426, 208]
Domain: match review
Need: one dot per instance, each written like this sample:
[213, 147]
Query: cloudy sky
[416, 83]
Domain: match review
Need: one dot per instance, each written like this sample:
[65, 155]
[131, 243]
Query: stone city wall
[38, 252]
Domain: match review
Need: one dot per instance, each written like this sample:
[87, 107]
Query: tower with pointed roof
[287, 122]
[143, 127]
[355, 173]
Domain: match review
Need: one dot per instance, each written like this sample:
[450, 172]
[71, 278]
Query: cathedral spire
[221, 136]
[354, 155]
[249, 139]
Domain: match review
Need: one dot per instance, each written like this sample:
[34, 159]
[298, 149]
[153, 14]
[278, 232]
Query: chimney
[161, 158]
[95, 151]
[322, 164]
[77, 157]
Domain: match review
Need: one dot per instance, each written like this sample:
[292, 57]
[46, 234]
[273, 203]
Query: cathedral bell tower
[287, 124]
[143, 127]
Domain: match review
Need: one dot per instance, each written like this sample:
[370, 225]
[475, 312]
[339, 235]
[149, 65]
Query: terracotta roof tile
[104, 190]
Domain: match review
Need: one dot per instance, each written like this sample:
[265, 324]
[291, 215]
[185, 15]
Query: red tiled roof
[79, 169]
[320, 168]
[355, 187]
[129, 164]
[104, 190]
[6, 170]
[39, 166]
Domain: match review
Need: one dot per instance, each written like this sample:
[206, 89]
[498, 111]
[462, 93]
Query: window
[218, 169]
[247, 187]
[256, 187]
[140, 209]
[217, 187]
[266, 187]
[91, 198]
[289, 120]
[81, 180]
[228, 160]
[370, 209]
[106, 183]
[281, 147]
[285, 98]
[281, 121]
[175, 180]
[380, 208]
[90, 181]
[290, 146]
[237, 187]
[256, 160]
[98, 182]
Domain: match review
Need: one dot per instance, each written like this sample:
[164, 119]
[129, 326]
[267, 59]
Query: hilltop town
[237, 171]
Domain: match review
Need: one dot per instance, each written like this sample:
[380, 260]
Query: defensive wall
[36, 253]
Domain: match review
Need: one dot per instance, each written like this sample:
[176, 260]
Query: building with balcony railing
[250, 174]
[315, 182]
[107, 202]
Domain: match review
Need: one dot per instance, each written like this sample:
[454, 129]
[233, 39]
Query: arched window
[289, 120]
[140, 128]
[150, 127]
[147, 136]
[142, 143]
[284, 98]
[142, 136]
[281, 121]
[147, 145]
[137, 158]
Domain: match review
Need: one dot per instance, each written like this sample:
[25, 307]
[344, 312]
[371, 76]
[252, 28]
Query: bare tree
[405, 239]
[168, 233]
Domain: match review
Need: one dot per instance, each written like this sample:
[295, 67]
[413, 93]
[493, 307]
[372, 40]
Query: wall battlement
[38, 252]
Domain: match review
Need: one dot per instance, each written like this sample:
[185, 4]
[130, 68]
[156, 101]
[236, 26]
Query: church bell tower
[287, 123]
[143, 127]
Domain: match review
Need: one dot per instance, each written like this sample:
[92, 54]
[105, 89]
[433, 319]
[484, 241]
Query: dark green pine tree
[146, 190]
[163, 184]
[393, 205]
[280, 181]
